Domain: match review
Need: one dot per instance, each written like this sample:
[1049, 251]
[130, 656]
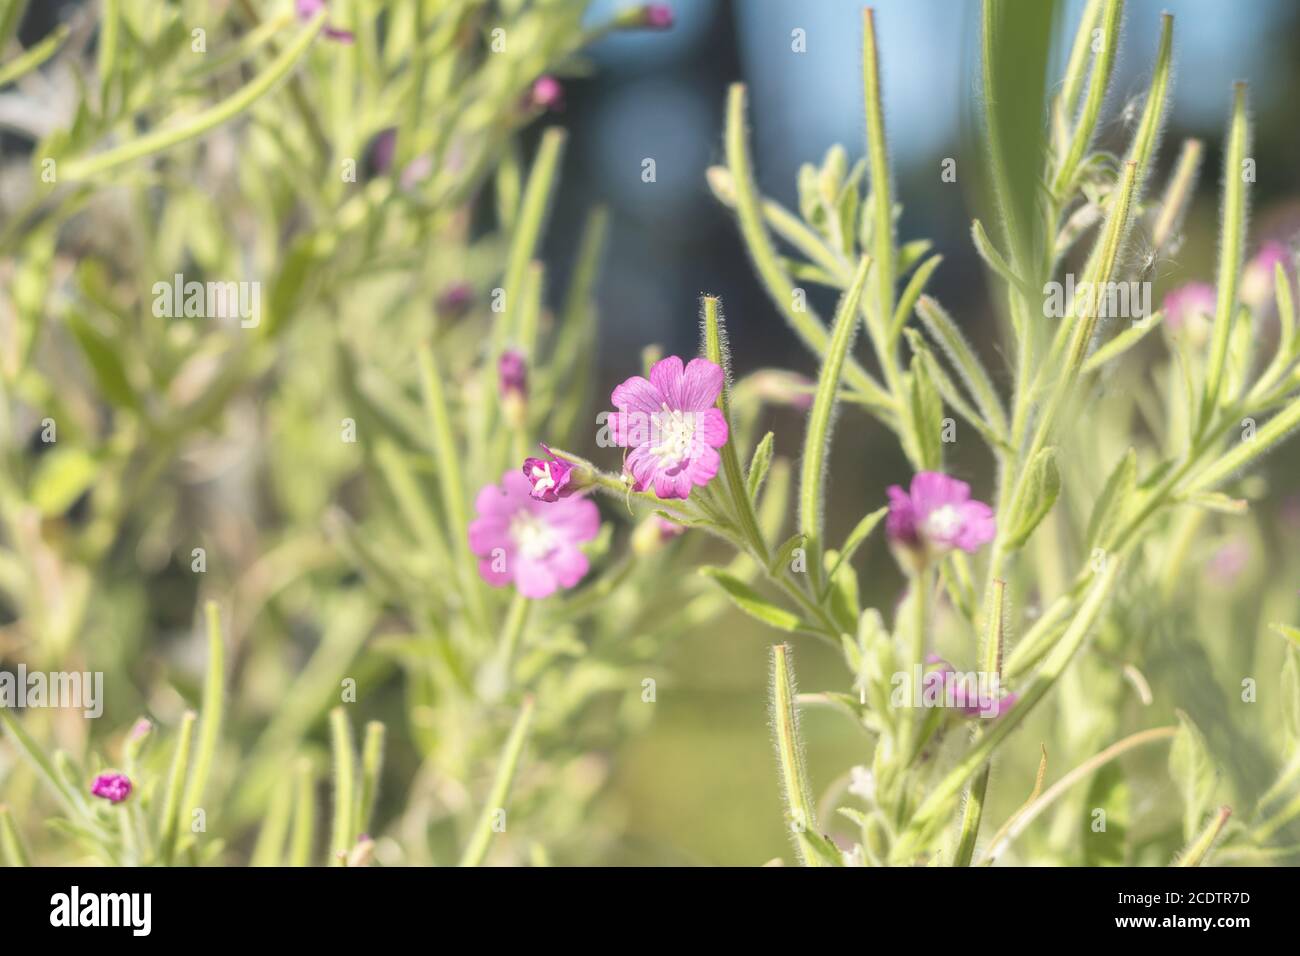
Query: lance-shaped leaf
[751, 602]
[1232, 239]
[1121, 343]
[1042, 488]
[861, 531]
[1102, 65]
[925, 417]
[1193, 773]
[1114, 498]
[973, 374]
[758, 466]
[817, 439]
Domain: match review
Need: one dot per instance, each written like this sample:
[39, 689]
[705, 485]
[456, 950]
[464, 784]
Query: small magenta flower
[512, 373]
[113, 787]
[657, 16]
[307, 9]
[529, 543]
[551, 478]
[454, 301]
[547, 93]
[963, 691]
[1189, 310]
[937, 515]
[672, 425]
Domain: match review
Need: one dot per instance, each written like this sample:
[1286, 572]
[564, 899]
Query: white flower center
[534, 538]
[674, 436]
[943, 523]
[542, 480]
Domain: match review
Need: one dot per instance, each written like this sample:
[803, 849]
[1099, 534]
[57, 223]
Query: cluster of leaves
[1103, 464]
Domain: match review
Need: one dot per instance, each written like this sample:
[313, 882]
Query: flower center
[542, 479]
[674, 435]
[534, 538]
[943, 523]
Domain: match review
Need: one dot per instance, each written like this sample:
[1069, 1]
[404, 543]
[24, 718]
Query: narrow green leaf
[758, 466]
[1111, 503]
[41, 763]
[1108, 792]
[753, 604]
[1098, 81]
[1044, 485]
[21, 65]
[211, 713]
[925, 410]
[781, 557]
[1193, 772]
[1121, 343]
[715, 350]
[1232, 238]
[1148, 133]
[372, 763]
[345, 776]
[818, 435]
[882, 237]
[12, 850]
[911, 292]
[857, 537]
[105, 362]
[169, 820]
[303, 838]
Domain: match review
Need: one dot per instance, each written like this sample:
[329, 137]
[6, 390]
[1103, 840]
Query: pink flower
[963, 691]
[938, 515]
[113, 787]
[1257, 281]
[529, 543]
[551, 479]
[547, 93]
[672, 425]
[657, 16]
[307, 10]
[1190, 309]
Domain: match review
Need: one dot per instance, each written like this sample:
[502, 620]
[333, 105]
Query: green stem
[342, 837]
[811, 846]
[477, 847]
[170, 820]
[211, 713]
